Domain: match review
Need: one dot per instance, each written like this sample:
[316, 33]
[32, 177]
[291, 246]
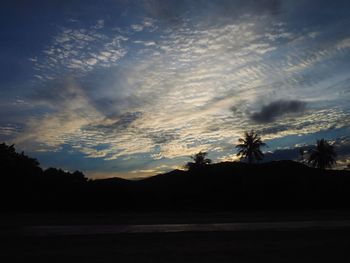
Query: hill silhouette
[224, 186]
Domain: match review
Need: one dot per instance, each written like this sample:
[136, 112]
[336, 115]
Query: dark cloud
[163, 137]
[276, 109]
[274, 129]
[124, 121]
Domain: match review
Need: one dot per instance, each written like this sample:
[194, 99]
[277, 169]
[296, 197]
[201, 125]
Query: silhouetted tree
[24, 174]
[79, 176]
[60, 175]
[7, 152]
[249, 147]
[18, 164]
[199, 160]
[323, 156]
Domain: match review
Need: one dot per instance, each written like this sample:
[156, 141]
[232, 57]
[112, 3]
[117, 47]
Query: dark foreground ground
[262, 246]
[311, 244]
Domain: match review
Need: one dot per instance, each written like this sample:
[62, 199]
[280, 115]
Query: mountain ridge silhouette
[227, 186]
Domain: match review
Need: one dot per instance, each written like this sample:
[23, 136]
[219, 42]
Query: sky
[133, 88]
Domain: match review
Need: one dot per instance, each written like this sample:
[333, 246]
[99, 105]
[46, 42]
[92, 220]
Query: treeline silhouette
[25, 185]
[204, 186]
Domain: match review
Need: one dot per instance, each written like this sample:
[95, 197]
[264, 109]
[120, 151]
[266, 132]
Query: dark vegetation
[204, 186]
[249, 147]
[323, 156]
[199, 161]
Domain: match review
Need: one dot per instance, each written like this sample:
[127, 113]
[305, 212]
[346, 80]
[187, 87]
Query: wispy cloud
[148, 24]
[194, 86]
[79, 51]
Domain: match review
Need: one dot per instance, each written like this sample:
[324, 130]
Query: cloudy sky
[132, 88]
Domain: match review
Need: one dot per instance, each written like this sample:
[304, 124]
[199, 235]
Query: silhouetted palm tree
[199, 160]
[249, 147]
[323, 156]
